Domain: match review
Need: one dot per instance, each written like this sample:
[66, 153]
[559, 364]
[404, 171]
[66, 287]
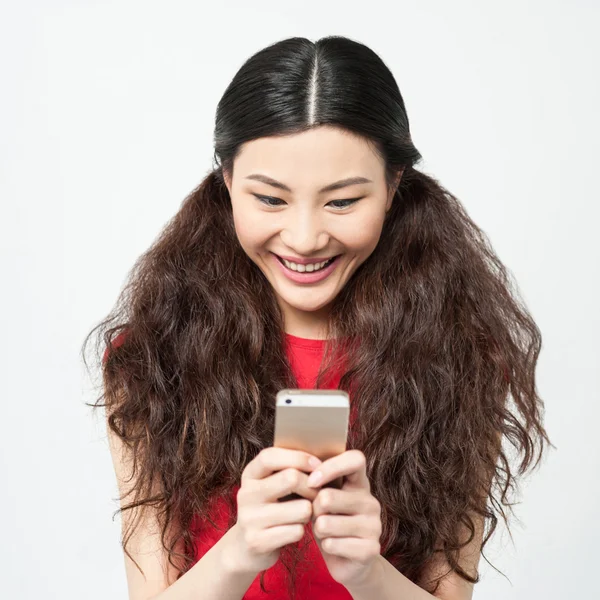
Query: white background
[107, 115]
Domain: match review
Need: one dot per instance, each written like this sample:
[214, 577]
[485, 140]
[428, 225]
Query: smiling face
[280, 208]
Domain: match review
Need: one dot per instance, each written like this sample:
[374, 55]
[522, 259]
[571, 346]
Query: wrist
[231, 561]
[370, 580]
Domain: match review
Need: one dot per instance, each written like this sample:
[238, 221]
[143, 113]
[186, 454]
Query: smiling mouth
[329, 261]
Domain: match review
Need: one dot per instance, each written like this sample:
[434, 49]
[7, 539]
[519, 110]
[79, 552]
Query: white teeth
[303, 268]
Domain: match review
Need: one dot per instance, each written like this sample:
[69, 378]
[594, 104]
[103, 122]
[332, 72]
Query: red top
[317, 584]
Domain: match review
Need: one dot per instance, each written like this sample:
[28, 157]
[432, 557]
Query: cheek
[363, 235]
[250, 230]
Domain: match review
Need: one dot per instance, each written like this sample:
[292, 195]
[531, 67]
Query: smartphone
[315, 421]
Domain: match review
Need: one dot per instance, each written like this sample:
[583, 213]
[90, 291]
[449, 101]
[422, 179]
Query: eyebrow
[328, 188]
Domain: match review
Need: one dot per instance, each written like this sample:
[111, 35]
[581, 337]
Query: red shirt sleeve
[115, 344]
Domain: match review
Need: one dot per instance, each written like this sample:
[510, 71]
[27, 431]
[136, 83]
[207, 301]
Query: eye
[267, 200]
[350, 202]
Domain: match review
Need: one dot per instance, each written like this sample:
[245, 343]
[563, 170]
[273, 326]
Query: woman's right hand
[264, 524]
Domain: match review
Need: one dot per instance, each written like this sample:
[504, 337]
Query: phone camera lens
[288, 400]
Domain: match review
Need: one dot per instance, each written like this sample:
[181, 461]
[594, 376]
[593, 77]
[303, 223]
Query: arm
[387, 583]
[213, 577]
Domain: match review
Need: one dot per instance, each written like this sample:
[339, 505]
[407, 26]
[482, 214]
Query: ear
[392, 192]
[227, 180]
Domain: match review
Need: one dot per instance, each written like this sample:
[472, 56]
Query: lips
[304, 262]
[307, 277]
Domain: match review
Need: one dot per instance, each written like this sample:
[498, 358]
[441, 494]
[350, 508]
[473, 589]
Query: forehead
[319, 155]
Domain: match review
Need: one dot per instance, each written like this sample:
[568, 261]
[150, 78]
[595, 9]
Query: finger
[359, 526]
[283, 483]
[272, 459]
[273, 515]
[266, 540]
[351, 464]
[358, 549]
[345, 502]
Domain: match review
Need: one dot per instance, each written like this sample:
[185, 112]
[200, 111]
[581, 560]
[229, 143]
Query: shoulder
[114, 344]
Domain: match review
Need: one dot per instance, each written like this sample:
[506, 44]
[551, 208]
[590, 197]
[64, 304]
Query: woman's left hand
[347, 522]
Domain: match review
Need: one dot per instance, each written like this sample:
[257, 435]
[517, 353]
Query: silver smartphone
[315, 421]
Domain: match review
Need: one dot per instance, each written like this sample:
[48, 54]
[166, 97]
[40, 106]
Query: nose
[304, 234]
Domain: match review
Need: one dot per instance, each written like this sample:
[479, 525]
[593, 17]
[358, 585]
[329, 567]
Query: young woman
[315, 254]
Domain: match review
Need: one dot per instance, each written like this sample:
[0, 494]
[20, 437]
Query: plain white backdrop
[106, 121]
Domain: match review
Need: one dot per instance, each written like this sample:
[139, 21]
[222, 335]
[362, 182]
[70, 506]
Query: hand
[264, 524]
[347, 522]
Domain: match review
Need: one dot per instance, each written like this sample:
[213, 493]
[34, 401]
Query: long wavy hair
[443, 377]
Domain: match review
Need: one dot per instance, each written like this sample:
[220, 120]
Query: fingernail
[314, 478]
[313, 461]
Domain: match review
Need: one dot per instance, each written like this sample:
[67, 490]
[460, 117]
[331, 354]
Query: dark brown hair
[445, 367]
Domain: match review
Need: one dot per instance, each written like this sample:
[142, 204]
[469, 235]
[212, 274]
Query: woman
[315, 164]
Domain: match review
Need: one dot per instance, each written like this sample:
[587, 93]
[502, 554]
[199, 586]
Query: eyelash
[263, 198]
